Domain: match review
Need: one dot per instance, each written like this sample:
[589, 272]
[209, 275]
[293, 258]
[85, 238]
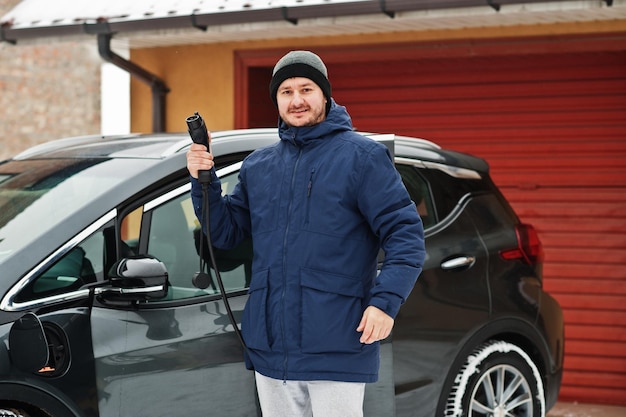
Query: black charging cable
[199, 134]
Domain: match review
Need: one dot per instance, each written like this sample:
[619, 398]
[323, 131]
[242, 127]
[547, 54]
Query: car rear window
[447, 191]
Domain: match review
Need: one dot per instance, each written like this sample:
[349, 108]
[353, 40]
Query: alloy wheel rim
[502, 391]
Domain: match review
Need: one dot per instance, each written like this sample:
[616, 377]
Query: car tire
[498, 379]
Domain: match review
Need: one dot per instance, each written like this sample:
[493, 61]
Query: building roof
[146, 23]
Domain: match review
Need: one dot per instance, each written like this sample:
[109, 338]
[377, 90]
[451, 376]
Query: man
[319, 205]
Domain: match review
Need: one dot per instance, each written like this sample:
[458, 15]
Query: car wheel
[497, 380]
[12, 412]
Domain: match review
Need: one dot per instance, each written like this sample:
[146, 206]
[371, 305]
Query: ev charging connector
[199, 134]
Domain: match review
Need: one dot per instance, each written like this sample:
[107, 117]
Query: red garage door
[551, 121]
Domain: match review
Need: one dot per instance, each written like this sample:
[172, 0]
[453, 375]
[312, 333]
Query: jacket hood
[336, 121]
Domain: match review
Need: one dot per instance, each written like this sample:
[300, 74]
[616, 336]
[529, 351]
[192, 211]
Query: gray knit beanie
[301, 64]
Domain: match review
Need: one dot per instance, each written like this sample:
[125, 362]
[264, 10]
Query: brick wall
[48, 90]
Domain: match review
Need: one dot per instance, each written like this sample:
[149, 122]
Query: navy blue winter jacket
[319, 205]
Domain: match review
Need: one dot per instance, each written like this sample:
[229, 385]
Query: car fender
[513, 329]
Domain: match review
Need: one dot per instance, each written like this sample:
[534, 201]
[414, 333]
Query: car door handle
[460, 262]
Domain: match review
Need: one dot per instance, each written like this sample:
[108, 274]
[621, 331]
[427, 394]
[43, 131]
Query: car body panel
[178, 355]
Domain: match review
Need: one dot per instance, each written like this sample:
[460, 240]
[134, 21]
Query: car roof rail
[53, 145]
[406, 140]
[422, 143]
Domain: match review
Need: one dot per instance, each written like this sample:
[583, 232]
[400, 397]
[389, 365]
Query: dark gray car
[99, 316]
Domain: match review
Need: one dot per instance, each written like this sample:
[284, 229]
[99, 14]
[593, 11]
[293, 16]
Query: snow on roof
[151, 20]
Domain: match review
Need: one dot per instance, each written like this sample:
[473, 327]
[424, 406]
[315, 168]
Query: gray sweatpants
[280, 398]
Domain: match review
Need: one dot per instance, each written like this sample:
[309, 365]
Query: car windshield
[36, 195]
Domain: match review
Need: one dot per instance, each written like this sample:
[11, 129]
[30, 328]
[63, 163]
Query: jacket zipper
[283, 294]
[308, 195]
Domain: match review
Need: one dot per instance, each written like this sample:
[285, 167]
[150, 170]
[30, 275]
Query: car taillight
[529, 249]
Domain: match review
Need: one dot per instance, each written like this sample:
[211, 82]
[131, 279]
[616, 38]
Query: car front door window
[172, 233]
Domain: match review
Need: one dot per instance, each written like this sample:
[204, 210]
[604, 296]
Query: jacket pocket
[254, 327]
[332, 306]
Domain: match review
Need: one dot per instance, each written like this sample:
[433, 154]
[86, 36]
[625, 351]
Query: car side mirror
[138, 278]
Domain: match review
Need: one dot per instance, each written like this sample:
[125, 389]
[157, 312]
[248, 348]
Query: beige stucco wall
[201, 77]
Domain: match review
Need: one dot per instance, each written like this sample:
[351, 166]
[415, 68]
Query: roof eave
[125, 26]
